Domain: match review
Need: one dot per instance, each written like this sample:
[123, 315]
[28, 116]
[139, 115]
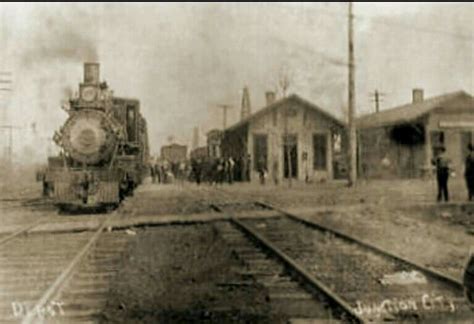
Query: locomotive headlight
[88, 93]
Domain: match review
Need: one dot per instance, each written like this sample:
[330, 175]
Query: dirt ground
[416, 235]
[181, 274]
[400, 215]
[165, 199]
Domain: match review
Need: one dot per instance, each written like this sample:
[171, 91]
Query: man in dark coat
[469, 172]
[196, 166]
[442, 164]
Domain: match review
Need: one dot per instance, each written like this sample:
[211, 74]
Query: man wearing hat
[442, 164]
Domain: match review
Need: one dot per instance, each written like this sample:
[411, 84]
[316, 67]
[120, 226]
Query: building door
[260, 152]
[320, 148]
[290, 156]
[437, 141]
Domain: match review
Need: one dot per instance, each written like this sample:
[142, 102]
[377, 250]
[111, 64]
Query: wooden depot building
[400, 142]
[289, 137]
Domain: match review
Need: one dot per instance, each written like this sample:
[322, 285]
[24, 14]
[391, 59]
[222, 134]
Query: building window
[260, 152]
[275, 117]
[319, 151]
[305, 116]
[290, 155]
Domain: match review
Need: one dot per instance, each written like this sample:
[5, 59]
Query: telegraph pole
[224, 109]
[352, 126]
[10, 129]
[377, 98]
[5, 81]
[6, 86]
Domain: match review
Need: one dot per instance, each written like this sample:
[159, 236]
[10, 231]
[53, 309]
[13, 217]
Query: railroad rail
[60, 278]
[434, 273]
[292, 289]
[302, 242]
[17, 233]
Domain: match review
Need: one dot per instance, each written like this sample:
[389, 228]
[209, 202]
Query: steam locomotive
[104, 148]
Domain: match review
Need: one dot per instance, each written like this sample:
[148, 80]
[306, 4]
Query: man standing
[442, 164]
[152, 173]
[248, 165]
[196, 166]
[230, 170]
[469, 172]
[220, 171]
[158, 174]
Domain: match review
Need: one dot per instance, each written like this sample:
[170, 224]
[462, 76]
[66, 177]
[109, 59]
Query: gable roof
[409, 112]
[280, 102]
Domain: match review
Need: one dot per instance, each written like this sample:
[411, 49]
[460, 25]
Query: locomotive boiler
[104, 148]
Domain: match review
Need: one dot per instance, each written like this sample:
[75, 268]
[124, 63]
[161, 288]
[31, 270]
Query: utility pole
[224, 109]
[377, 98]
[10, 129]
[5, 81]
[5, 88]
[352, 126]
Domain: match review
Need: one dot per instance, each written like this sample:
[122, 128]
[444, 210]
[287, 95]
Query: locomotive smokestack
[92, 73]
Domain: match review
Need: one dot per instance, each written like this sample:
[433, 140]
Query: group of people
[160, 172]
[215, 171]
[443, 170]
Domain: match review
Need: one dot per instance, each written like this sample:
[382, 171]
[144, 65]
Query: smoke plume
[59, 39]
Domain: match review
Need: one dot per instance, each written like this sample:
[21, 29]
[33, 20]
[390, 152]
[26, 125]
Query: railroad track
[57, 278]
[293, 293]
[374, 284]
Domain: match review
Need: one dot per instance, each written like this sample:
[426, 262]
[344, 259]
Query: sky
[181, 60]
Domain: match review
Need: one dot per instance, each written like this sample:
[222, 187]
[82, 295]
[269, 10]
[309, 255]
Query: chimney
[417, 95]
[91, 73]
[246, 108]
[270, 96]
